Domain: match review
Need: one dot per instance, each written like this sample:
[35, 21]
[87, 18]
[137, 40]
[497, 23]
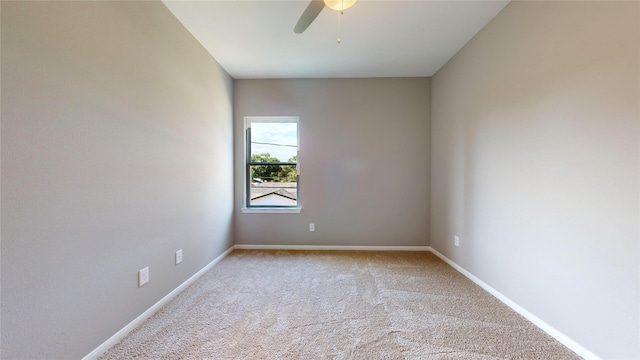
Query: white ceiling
[392, 38]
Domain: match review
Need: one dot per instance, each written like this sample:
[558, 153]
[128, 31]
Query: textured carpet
[336, 305]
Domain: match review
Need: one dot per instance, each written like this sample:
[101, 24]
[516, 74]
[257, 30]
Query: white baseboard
[555, 333]
[331, 247]
[152, 310]
[562, 338]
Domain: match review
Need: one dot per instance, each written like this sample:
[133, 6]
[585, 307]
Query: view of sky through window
[279, 139]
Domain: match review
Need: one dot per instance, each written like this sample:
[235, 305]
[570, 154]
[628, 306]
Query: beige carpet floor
[336, 305]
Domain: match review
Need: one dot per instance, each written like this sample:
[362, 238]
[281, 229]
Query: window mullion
[271, 163]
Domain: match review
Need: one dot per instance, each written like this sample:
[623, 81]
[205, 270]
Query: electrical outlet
[456, 240]
[312, 227]
[178, 256]
[143, 276]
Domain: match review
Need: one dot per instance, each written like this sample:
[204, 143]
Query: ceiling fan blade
[310, 13]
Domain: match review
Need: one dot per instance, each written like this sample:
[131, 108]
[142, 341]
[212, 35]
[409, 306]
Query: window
[272, 169]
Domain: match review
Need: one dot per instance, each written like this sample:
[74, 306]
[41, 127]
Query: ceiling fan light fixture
[339, 5]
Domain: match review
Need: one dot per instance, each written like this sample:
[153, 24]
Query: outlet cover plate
[143, 276]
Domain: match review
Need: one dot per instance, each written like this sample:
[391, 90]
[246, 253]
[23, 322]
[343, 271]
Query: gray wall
[364, 157]
[116, 150]
[535, 164]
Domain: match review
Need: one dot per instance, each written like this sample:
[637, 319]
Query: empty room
[312, 179]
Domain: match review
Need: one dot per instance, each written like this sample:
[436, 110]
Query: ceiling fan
[315, 7]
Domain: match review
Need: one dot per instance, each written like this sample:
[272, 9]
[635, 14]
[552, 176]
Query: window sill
[271, 210]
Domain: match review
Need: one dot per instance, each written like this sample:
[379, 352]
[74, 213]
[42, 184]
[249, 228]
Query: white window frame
[247, 208]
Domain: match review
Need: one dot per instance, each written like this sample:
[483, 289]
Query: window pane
[274, 141]
[273, 185]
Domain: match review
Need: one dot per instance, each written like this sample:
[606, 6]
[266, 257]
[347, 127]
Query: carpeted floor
[336, 305]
